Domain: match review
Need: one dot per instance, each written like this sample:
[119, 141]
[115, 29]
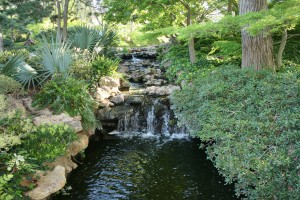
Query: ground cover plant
[249, 122]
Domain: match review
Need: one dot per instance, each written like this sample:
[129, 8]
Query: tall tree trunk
[229, 8]
[281, 48]
[58, 4]
[257, 50]
[65, 26]
[191, 41]
[1, 42]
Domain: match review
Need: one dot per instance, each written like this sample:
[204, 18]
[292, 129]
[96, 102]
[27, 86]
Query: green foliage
[48, 142]
[86, 37]
[56, 59]
[82, 67]
[103, 66]
[250, 122]
[16, 68]
[69, 95]
[12, 128]
[179, 67]
[226, 52]
[10, 86]
[3, 182]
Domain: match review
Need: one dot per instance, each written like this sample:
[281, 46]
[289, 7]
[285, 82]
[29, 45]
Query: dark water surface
[146, 168]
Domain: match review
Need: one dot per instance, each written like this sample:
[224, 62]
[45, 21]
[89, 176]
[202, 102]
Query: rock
[118, 99]
[133, 100]
[27, 102]
[101, 94]
[161, 91]
[57, 119]
[78, 145]
[105, 103]
[147, 71]
[148, 77]
[124, 84]
[156, 82]
[64, 161]
[109, 82]
[48, 184]
[113, 113]
[105, 88]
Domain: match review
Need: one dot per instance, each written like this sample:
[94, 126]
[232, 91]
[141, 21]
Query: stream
[146, 167]
[143, 154]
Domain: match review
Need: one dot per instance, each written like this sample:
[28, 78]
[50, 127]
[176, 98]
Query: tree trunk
[281, 48]
[191, 42]
[1, 42]
[65, 26]
[58, 3]
[229, 8]
[257, 51]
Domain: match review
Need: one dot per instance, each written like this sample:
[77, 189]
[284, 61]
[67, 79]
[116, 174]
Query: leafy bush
[48, 142]
[4, 179]
[82, 67]
[103, 66]
[10, 86]
[226, 52]
[250, 121]
[24, 148]
[69, 95]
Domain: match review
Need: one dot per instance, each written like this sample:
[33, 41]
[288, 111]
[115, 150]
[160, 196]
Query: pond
[137, 166]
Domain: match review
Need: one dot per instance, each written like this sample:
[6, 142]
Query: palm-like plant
[16, 68]
[56, 59]
[90, 38]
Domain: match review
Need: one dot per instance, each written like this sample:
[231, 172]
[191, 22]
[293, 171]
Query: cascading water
[166, 121]
[148, 157]
[151, 119]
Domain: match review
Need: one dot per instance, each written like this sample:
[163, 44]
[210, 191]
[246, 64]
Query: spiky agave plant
[16, 68]
[56, 59]
[90, 38]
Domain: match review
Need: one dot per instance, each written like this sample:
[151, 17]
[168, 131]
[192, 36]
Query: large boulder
[48, 184]
[73, 122]
[27, 102]
[109, 82]
[118, 99]
[113, 113]
[161, 91]
[102, 94]
[133, 100]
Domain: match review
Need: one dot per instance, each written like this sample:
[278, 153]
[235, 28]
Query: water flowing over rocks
[144, 105]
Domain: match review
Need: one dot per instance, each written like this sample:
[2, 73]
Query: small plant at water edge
[68, 95]
[48, 142]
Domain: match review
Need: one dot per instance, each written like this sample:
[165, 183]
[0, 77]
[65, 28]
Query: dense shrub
[82, 67]
[10, 86]
[67, 95]
[24, 148]
[103, 66]
[250, 121]
[48, 142]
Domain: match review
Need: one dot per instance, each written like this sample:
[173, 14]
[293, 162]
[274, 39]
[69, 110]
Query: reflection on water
[151, 168]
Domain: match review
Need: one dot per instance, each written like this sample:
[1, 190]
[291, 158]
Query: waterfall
[135, 122]
[166, 120]
[135, 60]
[151, 118]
